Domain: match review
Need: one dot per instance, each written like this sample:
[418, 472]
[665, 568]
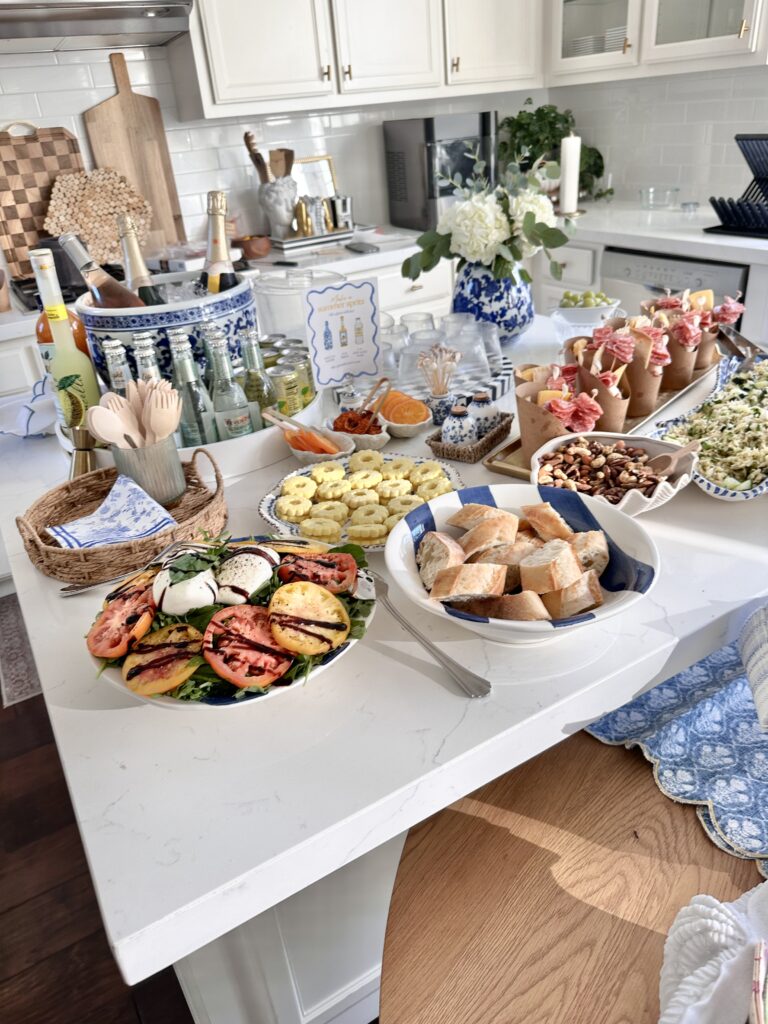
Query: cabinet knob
[455, 63]
[743, 28]
[415, 287]
[325, 74]
[348, 71]
[626, 46]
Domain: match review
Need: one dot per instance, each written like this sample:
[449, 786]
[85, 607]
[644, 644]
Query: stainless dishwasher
[632, 276]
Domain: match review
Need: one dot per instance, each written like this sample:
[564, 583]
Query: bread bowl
[632, 573]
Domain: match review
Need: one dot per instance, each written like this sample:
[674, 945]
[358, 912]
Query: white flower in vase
[477, 228]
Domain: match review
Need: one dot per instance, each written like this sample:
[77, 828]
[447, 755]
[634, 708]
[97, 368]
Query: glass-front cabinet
[676, 29]
[594, 34]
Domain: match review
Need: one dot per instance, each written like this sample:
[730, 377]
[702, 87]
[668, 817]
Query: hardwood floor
[55, 964]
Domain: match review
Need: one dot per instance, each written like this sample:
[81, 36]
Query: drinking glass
[396, 337]
[490, 334]
[452, 323]
[386, 320]
[421, 341]
[417, 321]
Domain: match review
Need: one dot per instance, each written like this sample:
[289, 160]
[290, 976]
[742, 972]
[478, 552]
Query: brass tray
[509, 461]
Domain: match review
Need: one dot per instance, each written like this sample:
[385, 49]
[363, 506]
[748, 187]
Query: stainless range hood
[75, 25]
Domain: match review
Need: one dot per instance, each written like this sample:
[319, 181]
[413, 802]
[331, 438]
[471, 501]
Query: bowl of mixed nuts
[611, 467]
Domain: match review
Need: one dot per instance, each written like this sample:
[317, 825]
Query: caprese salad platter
[224, 622]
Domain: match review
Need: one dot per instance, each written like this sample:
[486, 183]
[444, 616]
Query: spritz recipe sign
[342, 332]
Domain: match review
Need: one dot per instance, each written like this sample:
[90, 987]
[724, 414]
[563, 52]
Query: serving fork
[80, 588]
[471, 683]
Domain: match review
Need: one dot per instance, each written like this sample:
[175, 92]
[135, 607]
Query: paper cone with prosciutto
[612, 392]
[645, 372]
[537, 424]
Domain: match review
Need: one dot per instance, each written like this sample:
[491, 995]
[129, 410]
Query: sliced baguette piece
[464, 582]
[524, 607]
[591, 549]
[471, 514]
[489, 534]
[553, 567]
[437, 551]
[510, 555]
[579, 597]
[547, 522]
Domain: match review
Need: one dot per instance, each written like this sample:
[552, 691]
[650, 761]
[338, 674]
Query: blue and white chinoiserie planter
[440, 406]
[505, 303]
[233, 311]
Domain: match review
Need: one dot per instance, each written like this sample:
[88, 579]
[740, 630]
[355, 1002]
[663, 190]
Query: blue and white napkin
[127, 513]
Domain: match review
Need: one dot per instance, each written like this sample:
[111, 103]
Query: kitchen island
[254, 847]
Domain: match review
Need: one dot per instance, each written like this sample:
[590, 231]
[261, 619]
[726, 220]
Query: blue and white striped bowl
[632, 571]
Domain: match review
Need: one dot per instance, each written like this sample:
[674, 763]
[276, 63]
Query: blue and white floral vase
[505, 303]
[459, 427]
[440, 405]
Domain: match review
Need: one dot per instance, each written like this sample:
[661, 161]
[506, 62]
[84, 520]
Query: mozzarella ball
[238, 577]
[180, 598]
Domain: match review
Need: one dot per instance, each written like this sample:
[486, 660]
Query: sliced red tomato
[127, 615]
[336, 572]
[239, 646]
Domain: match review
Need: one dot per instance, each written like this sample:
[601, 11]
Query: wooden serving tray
[509, 459]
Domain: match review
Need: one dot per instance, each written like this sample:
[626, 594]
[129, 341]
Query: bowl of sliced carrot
[403, 415]
[314, 444]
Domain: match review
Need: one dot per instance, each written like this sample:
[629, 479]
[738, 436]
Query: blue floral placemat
[127, 513]
[700, 731]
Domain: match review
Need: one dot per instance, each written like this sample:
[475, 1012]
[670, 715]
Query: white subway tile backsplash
[47, 79]
[22, 105]
[140, 72]
[65, 100]
[26, 60]
[194, 160]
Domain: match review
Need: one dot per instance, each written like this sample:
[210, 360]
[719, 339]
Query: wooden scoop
[666, 464]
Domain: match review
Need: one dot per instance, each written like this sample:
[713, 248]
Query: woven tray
[471, 452]
[197, 510]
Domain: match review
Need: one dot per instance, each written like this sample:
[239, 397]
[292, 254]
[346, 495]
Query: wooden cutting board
[126, 132]
[29, 165]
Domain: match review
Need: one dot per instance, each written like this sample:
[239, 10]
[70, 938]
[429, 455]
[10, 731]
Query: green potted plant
[536, 132]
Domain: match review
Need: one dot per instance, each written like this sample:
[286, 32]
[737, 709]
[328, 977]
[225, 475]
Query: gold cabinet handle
[743, 28]
[325, 74]
[627, 46]
[348, 71]
[415, 287]
[455, 63]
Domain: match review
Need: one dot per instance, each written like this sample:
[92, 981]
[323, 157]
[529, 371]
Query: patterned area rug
[18, 675]
[700, 731]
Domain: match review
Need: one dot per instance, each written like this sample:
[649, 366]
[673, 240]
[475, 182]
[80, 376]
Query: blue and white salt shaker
[459, 427]
[484, 412]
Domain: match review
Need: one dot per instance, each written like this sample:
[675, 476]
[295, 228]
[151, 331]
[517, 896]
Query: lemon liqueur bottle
[72, 371]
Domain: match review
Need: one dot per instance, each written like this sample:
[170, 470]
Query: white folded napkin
[127, 513]
[29, 415]
[706, 977]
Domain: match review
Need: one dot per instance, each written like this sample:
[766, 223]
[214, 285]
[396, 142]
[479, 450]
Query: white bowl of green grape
[586, 309]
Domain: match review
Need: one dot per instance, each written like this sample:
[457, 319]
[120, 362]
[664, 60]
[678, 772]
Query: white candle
[570, 157]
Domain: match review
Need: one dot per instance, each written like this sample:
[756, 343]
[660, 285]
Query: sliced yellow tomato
[163, 660]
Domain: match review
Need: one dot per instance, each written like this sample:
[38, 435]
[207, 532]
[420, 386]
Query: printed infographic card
[342, 331]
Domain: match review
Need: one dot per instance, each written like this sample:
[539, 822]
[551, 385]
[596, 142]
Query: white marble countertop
[626, 226]
[195, 820]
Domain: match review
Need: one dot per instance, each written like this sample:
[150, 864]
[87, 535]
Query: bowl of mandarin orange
[403, 415]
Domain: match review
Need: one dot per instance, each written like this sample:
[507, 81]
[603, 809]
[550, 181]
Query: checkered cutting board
[29, 165]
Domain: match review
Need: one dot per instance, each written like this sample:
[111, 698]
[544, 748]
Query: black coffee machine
[419, 151]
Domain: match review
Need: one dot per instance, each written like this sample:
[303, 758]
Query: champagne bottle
[218, 273]
[76, 385]
[233, 418]
[106, 292]
[137, 276]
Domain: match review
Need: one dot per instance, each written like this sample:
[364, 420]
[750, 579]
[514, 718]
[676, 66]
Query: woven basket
[197, 510]
[471, 452]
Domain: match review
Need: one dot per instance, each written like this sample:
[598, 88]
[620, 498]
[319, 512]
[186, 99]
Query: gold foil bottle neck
[125, 225]
[217, 202]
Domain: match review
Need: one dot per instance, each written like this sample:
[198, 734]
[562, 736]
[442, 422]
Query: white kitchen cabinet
[684, 29]
[392, 45]
[492, 40]
[267, 50]
[587, 35]
[20, 363]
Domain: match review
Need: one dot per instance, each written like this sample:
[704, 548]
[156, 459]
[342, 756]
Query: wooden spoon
[667, 463]
[105, 426]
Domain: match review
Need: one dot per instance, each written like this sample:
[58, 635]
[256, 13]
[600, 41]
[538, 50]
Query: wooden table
[547, 895]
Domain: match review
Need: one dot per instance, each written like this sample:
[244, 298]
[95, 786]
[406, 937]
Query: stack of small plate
[614, 38]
